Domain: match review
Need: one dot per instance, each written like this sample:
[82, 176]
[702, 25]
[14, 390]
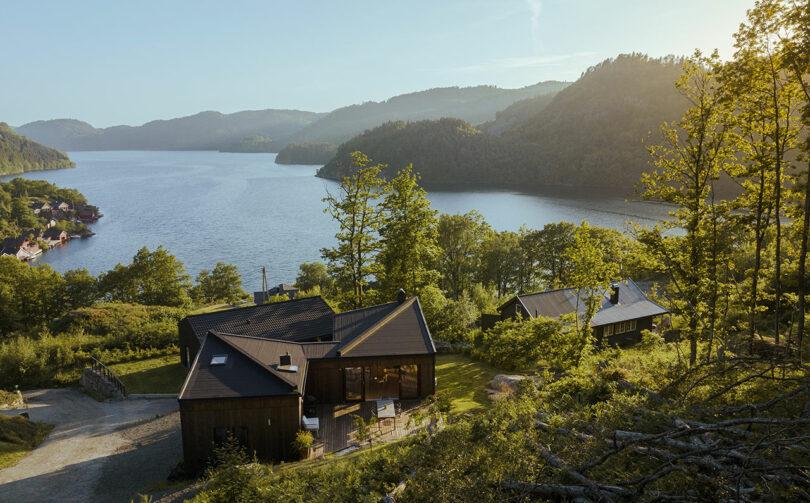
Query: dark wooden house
[624, 312]
[282, 289]
[253, 386]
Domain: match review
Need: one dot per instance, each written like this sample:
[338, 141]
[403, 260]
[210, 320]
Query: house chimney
[401, 296]
[285, 360]
[614, 293]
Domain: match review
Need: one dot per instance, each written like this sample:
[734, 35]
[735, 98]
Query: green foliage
[153, 278]
[18, 154]
[351, 261]
[18, 194]
[459, 238]
[591, 274]
[222, 284]
[312, 276]
[303, 441]
[408, 243]
[306, 153]
[519, 344]
[229, 477]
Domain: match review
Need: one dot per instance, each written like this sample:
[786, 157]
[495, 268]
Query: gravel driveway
[97, 451]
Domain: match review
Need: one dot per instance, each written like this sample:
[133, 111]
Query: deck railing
[108, 374]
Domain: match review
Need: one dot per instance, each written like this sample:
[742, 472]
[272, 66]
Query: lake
[244, 209]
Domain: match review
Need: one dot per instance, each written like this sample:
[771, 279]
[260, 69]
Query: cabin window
[607, 331]
[219, 359]
[353, 384]
[188, 358]
[409, 381]
[220, 435]
[625, 326]
[238, 433]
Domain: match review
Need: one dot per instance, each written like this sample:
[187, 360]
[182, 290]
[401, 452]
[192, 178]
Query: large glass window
[382, 382]
[353, 383]
[409, 381]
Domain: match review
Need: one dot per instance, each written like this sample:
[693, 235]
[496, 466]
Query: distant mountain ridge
[472, 104]
[202, 131]
[588, 135]
[18, 154]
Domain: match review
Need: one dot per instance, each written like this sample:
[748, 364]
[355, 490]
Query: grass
[462, 380]
[19, 436]
[164, 374]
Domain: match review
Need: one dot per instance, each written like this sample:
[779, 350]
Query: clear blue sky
[128, 62]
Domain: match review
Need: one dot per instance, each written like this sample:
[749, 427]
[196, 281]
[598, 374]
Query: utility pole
[265, 286]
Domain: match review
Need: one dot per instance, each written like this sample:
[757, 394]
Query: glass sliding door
[409, 381]
[382, 382]
[353, 384]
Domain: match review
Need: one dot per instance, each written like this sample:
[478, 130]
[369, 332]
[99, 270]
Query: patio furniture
[310, 424]
[387, 410]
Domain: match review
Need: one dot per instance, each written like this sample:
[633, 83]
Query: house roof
[248, 370]
[392, 329]
[633, 304]
[53, 233]
[386, 330]
[292, 320]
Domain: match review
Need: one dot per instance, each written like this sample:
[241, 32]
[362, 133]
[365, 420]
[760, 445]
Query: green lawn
[463, 380]
[18, 436]
[163, 374]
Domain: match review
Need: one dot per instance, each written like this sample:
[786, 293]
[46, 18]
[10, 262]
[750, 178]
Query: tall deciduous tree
[153, 278]
[460, 237]
[351, 262]
[222, 284]
[592, 273]
[694, 153]
[408, 237]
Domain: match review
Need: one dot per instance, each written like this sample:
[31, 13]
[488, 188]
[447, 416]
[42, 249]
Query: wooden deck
[337, 429]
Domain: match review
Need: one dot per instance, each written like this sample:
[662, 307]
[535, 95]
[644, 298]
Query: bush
[518, 344]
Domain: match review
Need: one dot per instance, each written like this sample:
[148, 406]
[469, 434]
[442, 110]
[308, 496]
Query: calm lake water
[244, 209]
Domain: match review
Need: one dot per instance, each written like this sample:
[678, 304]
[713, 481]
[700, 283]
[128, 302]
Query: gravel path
[97, 451]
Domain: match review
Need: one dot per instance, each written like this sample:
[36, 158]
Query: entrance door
[353, 384]
[382, 382]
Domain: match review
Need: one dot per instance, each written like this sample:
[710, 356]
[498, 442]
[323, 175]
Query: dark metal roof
[352, 323]
[633, 304]
[292, 320]
[243, 375]
[387, 330]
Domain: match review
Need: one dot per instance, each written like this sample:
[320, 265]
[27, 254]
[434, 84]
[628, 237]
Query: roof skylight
[219, 359]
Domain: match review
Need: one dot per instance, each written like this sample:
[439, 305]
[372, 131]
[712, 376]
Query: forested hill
[18, 154]
[589, 134]
[472, 104]
[203, 131]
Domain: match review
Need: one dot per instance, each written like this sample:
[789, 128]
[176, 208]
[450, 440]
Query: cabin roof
[633, 304]
[292, 320]
[247, 371]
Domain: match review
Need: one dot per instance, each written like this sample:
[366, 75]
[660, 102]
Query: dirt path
[97, 451]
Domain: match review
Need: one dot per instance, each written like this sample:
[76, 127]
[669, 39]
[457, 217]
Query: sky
[129, 62]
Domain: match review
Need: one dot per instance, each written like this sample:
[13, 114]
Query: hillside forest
[19, 154]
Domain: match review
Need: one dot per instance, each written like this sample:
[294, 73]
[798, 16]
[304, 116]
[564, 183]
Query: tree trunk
[802, 263]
